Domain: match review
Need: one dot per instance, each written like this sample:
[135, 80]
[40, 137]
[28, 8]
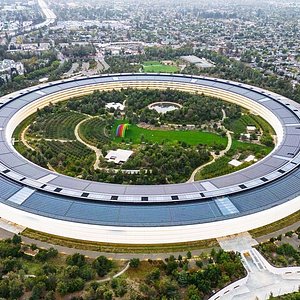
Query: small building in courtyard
[118, 156]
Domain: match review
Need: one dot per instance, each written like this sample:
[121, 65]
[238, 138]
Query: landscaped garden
[283, 250]
[137, 135]
[166, 147]
[28, 272]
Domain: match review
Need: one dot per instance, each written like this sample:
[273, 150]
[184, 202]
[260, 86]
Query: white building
[114, 105]
[251, 129]
[118, 156]
[200, 63]
[8, 66]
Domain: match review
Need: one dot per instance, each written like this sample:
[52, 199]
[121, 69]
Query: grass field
[135, 135]
[157, 67]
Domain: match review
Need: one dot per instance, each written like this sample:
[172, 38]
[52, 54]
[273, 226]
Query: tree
[168, 288]
[119, 286]
[38, 291]
[153, 275]
[15, 289]
[50, 296]
[16, 239]
[102, 265]
[134, 263]
[76, 259]
[4, 288]
[10, 264]
[171, 265]
[107, 295]
[193, 293]
[189, 255]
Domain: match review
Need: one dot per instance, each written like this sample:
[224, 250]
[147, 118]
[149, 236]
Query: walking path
[23, 139]
[97, 151]
[8, 229]
[8, 232]
[222, 153]
[262, 278]
[116, 275]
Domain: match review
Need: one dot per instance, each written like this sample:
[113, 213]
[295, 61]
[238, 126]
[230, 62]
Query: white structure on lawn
[118, 156]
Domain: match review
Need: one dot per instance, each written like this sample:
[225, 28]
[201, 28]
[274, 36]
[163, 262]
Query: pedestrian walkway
[262, 279]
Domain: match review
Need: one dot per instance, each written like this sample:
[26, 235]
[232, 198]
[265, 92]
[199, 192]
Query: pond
[163, 107]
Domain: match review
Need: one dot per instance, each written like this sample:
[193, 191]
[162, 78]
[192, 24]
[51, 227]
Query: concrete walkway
[97, 151]
[222, 153]
[262, 279]
[23, 138]
[116, 275]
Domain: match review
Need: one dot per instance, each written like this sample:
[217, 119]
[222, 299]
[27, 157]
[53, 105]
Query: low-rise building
[8, 67]
[118, 156]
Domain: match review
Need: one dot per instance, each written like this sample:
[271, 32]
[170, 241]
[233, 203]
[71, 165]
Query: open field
[136, 134]
[157, 67]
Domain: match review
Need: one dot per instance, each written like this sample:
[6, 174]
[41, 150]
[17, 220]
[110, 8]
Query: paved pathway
[263, 279]
[8, 232]
[97, 151]
[222, 153]
[23, 139]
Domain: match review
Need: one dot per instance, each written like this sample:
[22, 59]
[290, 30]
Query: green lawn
[191, 137]
[157, 67]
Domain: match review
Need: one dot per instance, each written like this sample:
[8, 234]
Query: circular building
[57, 204]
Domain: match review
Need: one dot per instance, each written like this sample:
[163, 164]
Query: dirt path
[222, 153]
[97, 151]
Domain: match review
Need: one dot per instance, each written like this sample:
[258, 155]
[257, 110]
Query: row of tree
[49, 275]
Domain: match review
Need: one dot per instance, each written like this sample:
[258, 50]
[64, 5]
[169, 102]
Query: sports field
[136, 135]
[157, 67]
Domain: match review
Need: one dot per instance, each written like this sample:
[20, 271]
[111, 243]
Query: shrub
[134, 263]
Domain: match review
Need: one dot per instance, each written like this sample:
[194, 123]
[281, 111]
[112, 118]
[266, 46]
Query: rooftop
[118, 156]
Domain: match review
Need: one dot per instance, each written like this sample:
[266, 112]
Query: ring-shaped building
[43, 200]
